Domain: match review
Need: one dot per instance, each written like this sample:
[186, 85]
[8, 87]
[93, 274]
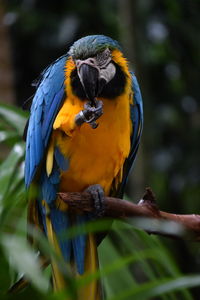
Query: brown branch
[146, 208]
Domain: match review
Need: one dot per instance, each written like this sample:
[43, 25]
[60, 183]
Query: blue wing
[45, 106]
[136, 110]
[46, 103]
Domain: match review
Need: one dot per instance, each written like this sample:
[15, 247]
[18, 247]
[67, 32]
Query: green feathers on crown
[91, 45]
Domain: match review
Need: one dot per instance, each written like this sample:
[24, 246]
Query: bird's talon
[97, 194]
[90, 114]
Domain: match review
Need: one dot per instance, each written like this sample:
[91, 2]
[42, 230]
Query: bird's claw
[97, 193]
[90, 113]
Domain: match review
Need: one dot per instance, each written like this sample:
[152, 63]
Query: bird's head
[100, 68]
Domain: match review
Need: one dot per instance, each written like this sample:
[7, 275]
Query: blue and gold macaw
[83, 133]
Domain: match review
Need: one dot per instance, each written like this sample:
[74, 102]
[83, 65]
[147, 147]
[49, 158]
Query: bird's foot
[97, 193]
[91, 112]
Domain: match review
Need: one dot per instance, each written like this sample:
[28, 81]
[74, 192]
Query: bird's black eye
[104, 57]
[106, 53]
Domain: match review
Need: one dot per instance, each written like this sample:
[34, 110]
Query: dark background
[161, 41]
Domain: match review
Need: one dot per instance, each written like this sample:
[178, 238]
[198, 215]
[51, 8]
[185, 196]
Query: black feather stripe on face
[111, 90]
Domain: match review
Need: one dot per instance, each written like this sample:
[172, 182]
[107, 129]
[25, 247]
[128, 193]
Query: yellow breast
[95, 155]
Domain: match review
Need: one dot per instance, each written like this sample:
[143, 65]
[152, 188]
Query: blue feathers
[50, 114]
[47, 100]
[61, 161]
[46, 103]
[60, 223]
[136, 118]
[136, 115]
[60, 220]
[79, 244]
[49, 186]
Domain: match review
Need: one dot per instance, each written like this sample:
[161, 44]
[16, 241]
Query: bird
[83, 134]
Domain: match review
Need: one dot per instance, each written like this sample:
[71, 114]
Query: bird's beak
[89, 77]
[93, 76]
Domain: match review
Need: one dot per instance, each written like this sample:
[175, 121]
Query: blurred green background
[161, 41]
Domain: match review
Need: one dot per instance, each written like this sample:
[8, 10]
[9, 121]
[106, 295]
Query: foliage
[133, 264]
[160, 39]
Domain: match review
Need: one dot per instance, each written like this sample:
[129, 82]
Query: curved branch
[118, 208]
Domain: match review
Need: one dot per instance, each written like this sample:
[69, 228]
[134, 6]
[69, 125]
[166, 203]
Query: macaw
[83, 133]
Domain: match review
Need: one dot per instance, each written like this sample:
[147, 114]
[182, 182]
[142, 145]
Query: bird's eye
[106, 53]
[103, 57]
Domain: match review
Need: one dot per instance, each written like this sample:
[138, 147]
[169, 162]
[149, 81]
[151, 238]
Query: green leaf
[158, 287]
[24, 260]
[15, 117]
[4, 273]
[7, 135]
[8, 168]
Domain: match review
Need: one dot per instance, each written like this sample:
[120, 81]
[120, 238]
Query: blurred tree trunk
[128, 35]
[7, 94]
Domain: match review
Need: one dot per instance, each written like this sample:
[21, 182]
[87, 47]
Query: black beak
[89, 77]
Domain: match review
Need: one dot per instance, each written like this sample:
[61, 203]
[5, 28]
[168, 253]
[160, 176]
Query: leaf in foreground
[24, 260]
[159, 287]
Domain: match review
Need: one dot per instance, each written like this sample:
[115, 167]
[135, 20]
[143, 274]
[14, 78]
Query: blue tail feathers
[61, 220]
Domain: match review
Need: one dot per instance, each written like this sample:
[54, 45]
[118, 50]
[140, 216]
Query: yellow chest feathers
[95, 155]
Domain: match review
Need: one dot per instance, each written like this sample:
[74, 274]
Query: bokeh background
[161, 41]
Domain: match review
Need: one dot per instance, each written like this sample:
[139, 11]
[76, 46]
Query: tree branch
[146, 208]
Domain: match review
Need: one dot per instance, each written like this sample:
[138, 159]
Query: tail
[80, 251]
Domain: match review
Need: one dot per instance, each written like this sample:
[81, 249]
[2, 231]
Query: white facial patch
[108, 73]
[102, 62]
